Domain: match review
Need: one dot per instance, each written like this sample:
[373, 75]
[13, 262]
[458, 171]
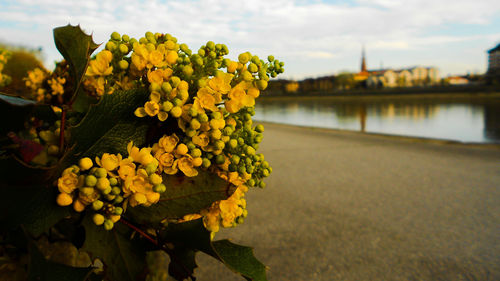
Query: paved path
[350, 206]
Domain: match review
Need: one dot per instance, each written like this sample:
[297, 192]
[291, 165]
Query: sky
[314, 38]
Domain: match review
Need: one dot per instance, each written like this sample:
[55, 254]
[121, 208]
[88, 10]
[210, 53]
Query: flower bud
[123, 48]
[176, 111]
[197, 161]
[64, 199]
[98, 219]
[123, 64]
[103, 183]
[118, 211]
[243, 58]
[160, 188]
[115, 36]
[110, 46]
[181, 149]
[90, 180]
[85, 163]
[78, 206]
[97, 205]
[115, 190]
[100, 173]
[108, 224]
[155, 179]
[113, 181]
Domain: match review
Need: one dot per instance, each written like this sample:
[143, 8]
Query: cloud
[310, 36]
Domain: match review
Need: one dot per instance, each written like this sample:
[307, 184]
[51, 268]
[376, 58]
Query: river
[463, 118]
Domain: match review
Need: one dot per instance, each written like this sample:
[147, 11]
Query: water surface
[465, 119]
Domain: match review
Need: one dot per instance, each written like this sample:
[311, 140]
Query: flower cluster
[49, 87]
[4, 56]
[112, 183]
[206, 99]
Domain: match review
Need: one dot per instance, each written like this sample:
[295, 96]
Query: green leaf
[108, 127]
[192, 236]
[184, 195]
[19, 173]
[240, 259]
[124, 257]
[76, 47]
[34, 207]
[41, 269]
[17, 111]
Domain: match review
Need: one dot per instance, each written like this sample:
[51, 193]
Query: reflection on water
[473, 120]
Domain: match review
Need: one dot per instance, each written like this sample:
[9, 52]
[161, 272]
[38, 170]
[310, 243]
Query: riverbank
[352, 206]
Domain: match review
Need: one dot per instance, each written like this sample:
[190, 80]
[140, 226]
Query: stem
[142, 233]
[61, 129]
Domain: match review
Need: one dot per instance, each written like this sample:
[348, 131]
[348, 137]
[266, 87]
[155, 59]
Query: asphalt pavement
[352, 206]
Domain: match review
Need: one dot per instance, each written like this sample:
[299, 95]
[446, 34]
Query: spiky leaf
[184, 195]
[124, 256]
[41, 269]
[76, 47]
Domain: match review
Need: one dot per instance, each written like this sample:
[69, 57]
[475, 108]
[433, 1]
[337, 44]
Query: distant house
[408, 77]
[457, 80]
[494, 59]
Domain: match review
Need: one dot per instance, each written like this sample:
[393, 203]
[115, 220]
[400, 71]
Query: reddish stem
[61, 129]
[142, 233]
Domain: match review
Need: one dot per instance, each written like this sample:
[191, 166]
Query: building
[494, 59]
[408, 77]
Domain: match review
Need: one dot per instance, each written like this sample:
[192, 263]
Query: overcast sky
[313, 38]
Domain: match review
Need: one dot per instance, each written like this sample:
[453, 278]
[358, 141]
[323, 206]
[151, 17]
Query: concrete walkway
[350, 206]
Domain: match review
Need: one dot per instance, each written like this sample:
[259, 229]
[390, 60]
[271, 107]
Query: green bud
[262, 184]
[97, 205]
[123, 64]
[233, 143]
[203, 117]
[167, 106]
[250, 150]
[201, 52]
[125, 38]
[265, 164]
[242, 169]
[118, 199]
[115, 190]
[103, 183]
[247, 76]
[98, 219]
[253, 67]
[259, 128]
[220, 159]
[232, 167]
[115, 36]
[113, 181]
[251, 182]
[110, 46]
[160, 188]
[176, 111]
[187, 70]
[108, 224]
[107, 190]
[118, 211]
[210, 45]
[241, 141]
[123, 48]
[90, 180]
[206, 163]
[265, 173]
[219, 145]
[243, 58]
[155, 179]
[261, 84]
[235, 159]
[100, 173]
[175, 81]
[270, 58]
[166, 87]
[196, 152]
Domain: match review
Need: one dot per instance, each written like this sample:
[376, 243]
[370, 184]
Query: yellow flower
[206, 99]
[109, 161]
[137, 199]
[201, 140]
[68, 182]
[171, 57]
[142, 156]
[254, 92]
[152, 198]
[57, 85]
[155, 59]
[127, 168]
[168, 143]
[138, 183]
[151, 108]
[155, 76]
[165, 160]
[221, 83]
[190, 217]
[185, 164]
[100, 65]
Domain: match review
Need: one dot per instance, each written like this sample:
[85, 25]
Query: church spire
[363, 60]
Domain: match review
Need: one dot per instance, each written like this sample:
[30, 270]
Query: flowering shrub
[144, 146]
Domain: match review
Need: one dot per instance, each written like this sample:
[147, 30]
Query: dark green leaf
[240, 259]
[34, 207]
[192, 236]
[76, 47]
[108, 127]
[182, 263]
[184, 196]
[17, 111]
[41, 269]
[123, 256]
